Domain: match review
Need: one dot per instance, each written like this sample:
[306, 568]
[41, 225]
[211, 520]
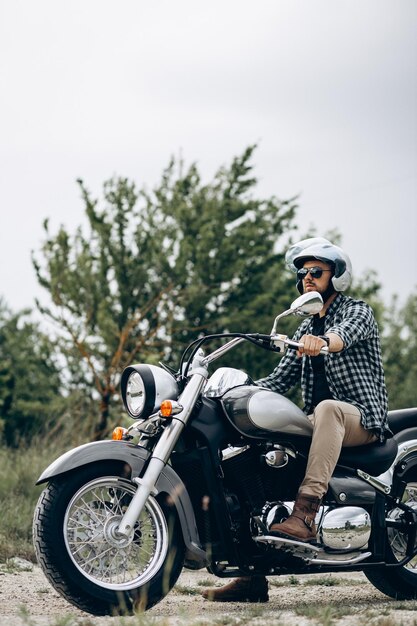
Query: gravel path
[27, 599]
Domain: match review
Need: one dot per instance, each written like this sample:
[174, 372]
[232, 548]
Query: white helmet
[322, 250]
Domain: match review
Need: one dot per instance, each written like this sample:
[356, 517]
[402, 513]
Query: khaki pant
[336, 425]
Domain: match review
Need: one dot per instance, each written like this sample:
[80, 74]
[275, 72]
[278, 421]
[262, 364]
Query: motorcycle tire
[86, 561]
[399, 583]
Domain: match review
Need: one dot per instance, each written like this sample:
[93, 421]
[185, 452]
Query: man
[344, 391]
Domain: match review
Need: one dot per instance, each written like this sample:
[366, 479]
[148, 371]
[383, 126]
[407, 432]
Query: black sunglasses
[316, 272]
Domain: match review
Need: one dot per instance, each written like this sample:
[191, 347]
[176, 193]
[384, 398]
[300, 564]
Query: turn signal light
[165, 410]
[118, 433]
[169, 408]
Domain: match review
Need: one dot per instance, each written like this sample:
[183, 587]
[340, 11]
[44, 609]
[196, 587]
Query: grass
[71, 620]
[252, 614]
[65, 620]
[19, 470]
[10, 566]
[319, 581]
[185, 590]
[324, 581]
[324, 615]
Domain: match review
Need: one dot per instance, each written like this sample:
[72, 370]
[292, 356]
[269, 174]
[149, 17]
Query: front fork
[162, 452]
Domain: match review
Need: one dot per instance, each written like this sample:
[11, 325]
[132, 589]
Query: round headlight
[135, 394]
[144, 387]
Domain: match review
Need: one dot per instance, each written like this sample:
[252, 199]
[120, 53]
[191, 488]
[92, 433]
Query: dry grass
[19, 471]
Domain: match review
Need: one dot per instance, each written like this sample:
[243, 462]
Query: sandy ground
[27, 599]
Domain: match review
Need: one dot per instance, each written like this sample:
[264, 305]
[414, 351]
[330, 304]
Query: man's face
[317, 284]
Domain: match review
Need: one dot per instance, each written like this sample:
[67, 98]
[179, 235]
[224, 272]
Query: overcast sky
[327, 88]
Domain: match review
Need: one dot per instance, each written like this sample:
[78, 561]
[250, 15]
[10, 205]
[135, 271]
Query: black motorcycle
[207, 466]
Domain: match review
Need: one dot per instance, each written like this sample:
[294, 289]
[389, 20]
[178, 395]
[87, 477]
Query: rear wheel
[400, 582]
[80, 551]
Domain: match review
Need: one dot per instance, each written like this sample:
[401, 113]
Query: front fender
[95, 451]
[135, 457]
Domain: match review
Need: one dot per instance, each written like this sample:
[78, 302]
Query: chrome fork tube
[161, 453]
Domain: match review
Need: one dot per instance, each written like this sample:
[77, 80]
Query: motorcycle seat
[374, 458]
[400, 419]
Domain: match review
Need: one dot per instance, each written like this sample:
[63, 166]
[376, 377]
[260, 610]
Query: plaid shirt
[354, 375]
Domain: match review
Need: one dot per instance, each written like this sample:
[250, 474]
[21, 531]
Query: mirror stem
[278, 317]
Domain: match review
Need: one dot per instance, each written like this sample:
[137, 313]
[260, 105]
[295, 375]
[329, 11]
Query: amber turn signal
[169, 408]
[165, 410]
[118, 433]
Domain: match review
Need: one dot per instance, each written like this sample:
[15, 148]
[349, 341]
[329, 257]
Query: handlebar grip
[323, 350]
[283, 339]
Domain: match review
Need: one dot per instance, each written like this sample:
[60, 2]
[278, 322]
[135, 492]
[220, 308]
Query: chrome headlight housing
[144, 387]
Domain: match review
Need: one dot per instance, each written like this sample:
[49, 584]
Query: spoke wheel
[84, 557]
[94, 545]
[397, 539]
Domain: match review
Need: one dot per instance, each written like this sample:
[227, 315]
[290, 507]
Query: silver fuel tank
[260, 413]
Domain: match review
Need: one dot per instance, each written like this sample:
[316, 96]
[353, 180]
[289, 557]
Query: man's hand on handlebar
[311, 345]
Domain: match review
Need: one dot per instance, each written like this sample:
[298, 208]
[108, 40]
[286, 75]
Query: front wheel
[81, 553]
[398, 582]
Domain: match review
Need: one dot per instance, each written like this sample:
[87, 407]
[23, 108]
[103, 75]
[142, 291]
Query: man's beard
[328, 292]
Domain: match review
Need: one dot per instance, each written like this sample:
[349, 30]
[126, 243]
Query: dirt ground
[27, 599]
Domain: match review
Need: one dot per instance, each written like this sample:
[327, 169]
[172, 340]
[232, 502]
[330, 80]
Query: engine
[263, 472]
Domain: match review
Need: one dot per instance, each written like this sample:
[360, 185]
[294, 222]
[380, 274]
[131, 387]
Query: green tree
[157, 268]
[29, 378]
[399, 344]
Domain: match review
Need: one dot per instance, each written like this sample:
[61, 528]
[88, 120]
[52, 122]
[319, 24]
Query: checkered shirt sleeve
[354, 375]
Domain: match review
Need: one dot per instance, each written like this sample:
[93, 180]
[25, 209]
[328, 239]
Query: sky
[327, 89]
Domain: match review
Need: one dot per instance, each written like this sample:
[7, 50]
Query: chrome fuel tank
[260, 413]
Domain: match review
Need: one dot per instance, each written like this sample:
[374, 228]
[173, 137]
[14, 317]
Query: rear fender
[135, 457]
[405, 464]
[406, 461]
[407, 451]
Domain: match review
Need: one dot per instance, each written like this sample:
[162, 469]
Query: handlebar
[277, 343]
[281, 341]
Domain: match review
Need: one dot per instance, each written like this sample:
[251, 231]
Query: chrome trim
[138, 481]
[356, 559]
[375, 482]
[222, 350]
[306, 551]
[404, 448]
[232, 451]
[345, 529]
[95, 547]
[223, 379]
[161, 454]
[277, 458]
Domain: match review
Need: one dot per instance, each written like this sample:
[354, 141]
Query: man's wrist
[325, 338]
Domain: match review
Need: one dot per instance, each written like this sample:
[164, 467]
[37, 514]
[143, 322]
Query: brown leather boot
[245, 589]
[300, 524]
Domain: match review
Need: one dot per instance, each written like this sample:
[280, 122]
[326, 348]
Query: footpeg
[296, 548]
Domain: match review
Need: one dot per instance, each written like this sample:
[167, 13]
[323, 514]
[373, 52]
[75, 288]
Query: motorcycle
[209, 463]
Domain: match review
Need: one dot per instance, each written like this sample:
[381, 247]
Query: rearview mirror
[308, 304]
